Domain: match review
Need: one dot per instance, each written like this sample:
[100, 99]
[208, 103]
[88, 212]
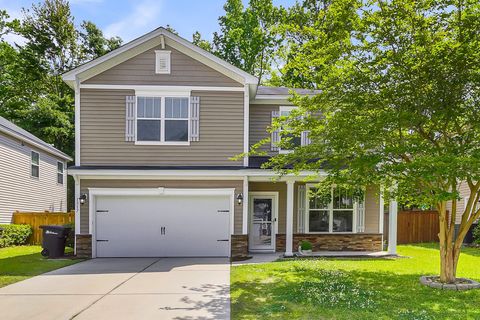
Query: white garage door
[162, 226]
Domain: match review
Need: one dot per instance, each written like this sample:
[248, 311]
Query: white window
[333, 212]
[294, 140]
[162, 61]
[60, 169]
[35, 164]
[162, 120]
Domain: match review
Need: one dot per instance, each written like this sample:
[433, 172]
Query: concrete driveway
[124, 288]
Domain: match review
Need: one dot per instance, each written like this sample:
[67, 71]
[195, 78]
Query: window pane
[149, 107]
[156, 107]
[176, 130]
[343, 221]
[318, 201]
[35, 171]
[176, 108]
[141, 107]
[342, 199]
[60, 178]
[35, 158]
[59, 167]
[148, 130]
[318, 221]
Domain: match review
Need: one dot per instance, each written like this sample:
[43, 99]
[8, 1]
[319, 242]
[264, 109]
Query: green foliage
[93, 44]
[476, 234]
[14, 234]
[306, 245]
[247, 37]
[70, 241]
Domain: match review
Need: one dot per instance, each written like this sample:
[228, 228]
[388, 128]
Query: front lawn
[22, 262]
[354, 288]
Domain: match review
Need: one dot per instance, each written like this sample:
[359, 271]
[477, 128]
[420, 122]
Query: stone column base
[239, 247]
[334, 242]
[83, 245]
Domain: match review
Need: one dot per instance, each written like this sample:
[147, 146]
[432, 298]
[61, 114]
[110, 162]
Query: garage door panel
[132, 226]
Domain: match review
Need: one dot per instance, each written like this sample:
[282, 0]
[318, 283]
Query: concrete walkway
[127, 288]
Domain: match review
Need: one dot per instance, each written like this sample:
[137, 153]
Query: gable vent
[162, 61]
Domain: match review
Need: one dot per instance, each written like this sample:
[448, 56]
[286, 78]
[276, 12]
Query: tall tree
[247, 37]
[399, 106]
[93, 43]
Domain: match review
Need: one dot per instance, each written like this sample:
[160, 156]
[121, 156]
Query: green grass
[354, 288]
[22, 262]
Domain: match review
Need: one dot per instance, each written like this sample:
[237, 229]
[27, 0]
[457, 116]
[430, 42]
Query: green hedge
[14, 234]
[476, 234]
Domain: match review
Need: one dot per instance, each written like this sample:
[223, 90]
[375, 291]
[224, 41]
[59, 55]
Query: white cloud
[142, 18]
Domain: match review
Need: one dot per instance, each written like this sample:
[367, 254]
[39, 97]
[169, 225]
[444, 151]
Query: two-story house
[157, 123]
[32, 173]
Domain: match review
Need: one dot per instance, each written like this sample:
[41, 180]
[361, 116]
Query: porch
[279, 215]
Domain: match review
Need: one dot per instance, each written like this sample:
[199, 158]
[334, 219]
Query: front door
[263, 218]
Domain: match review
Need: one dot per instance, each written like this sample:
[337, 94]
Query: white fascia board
[161, 191]
[20, 137]
[151, 40]
[253, 174]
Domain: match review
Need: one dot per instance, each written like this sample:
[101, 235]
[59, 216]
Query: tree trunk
[448, 263]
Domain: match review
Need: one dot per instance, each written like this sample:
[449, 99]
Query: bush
[14, 234]
[476, 234]
[306, 245]
[70, 242]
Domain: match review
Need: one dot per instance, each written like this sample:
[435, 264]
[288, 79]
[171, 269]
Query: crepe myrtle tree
[399, 107]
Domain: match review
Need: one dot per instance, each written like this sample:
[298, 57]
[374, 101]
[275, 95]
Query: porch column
[289, 222]
[245, 206]
[392, 227]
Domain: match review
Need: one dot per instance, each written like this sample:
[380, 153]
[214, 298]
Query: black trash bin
[54, 238]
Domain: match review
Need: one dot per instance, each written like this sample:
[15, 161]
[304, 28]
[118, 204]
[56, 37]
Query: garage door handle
[223, 240]
[102, 240]
[98, 211]
[223, 211]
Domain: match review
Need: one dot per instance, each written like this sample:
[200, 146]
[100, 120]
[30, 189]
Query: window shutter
[194, 118]
[275, 138]
[302, 198]
[130, 118]
[305, 139]
[360, 216]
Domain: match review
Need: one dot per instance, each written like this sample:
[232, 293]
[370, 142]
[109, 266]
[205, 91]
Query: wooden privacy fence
[415, 226]
[37, 219]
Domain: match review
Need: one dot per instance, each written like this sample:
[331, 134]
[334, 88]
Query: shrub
[70, 242]
[476, 234]
[14, 234]
[306, 245]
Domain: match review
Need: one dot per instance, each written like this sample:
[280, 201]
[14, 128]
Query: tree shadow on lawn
[471, 251]
[324, 294]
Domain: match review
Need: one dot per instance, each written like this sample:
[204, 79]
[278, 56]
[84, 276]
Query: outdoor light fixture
[240, 198]
[83, 198]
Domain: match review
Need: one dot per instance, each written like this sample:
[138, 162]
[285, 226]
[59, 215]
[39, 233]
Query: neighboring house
[157, 122]
[461, 206]
[32, 173]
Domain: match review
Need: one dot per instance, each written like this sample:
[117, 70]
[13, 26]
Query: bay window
[162, 120]
[336, 210]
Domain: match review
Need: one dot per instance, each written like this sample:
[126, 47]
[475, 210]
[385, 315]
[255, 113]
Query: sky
[130, 19]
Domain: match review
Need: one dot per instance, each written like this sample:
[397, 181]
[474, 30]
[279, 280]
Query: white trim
[77, 121]
[151, 40]
[157, 89]
[381, 213]
[275, 201]
[34, 164]
[163, 54]
[392, 227]
[245, 206]
[246, 124]
[161, 191]
[62, 173]
[77, 210]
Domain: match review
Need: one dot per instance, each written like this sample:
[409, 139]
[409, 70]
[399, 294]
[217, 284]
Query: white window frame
[61, 172]
[163, 54]
[330, 210]
[33, 164]
[162, 120]
[284, 109]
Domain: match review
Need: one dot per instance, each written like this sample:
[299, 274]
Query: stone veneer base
[239, 248]
[334, 242]
[83, 245]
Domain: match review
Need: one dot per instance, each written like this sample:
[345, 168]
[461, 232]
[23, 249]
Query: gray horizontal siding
[260, 120]
[18, 190]
[140, 70]
[102, 127]
[86, 184]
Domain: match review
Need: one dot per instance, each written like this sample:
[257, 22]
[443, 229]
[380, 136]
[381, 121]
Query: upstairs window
[162, 62]
[293, 141]
[60, 172]
[162, 120]
[35, 164]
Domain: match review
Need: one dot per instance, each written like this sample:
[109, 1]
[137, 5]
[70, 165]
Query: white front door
[263, 218]
[162, 226]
